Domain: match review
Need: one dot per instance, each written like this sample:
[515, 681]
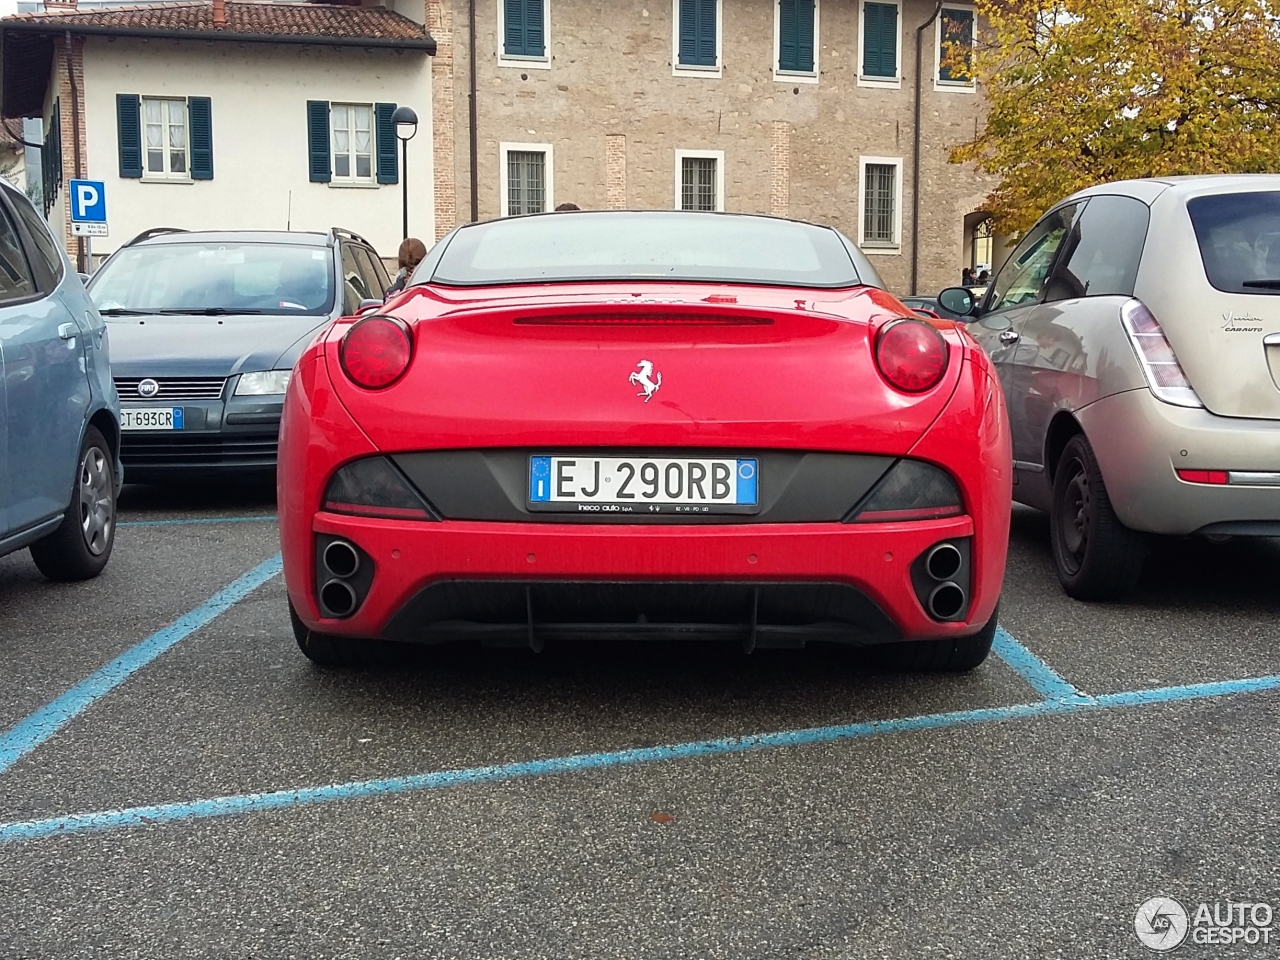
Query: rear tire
[81, 546]
[329, 650]
[1097, 556]
[951, 655]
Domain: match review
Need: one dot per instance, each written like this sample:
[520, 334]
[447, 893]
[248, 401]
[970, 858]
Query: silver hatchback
[1136, 333]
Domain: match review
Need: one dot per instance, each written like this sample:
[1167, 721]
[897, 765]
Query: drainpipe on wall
[81, 266]
[915, 153]
[471, 126]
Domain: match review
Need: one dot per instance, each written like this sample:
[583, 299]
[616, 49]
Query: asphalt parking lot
[177, 781]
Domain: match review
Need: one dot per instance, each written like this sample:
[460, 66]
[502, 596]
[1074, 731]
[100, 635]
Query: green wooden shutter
[957, 27]
[320, 162]
[804, 35]
[513, 27]
[880, 40]
[787, 57]
[129, 134]
[200, 113]
[688, 31]
[534, 41]
[707, 32]
[388, 169]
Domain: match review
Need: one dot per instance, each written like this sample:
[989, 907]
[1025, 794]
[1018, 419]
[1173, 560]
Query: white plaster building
[205, 114]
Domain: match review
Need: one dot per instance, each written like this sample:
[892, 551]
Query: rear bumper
[1141, 442]
[783, 582]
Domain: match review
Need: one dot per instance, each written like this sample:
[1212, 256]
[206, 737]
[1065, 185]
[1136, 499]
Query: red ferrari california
[639, 424]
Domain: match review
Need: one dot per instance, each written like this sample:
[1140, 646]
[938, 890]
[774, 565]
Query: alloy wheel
[1075, 517]
[97, 501]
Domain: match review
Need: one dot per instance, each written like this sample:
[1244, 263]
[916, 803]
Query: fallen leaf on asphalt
[661, 816]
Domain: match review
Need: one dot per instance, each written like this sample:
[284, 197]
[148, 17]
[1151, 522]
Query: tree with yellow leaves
[1086, 91]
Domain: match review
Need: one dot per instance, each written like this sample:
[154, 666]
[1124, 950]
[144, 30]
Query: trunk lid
[759, 368]
[1216, 293]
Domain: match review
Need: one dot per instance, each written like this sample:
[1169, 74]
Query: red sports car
[645, 423]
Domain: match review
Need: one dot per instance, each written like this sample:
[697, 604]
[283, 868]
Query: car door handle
[68, 331]
[1008, 336]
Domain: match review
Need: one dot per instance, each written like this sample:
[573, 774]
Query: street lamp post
[406, 124]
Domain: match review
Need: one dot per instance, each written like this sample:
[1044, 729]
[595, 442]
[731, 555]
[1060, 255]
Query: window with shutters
[525, 178]
[351, 132]
[696, 37]
[523, 32]
[881, 205]
[795, 29]
[954, 33]
[164, 139]
[699, 180]
[879, 47]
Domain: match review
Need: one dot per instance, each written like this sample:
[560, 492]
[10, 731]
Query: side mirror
[369, 305]
[959, 301]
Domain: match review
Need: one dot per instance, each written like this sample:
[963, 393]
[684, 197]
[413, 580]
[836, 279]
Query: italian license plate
[647, 485]
[150, 418]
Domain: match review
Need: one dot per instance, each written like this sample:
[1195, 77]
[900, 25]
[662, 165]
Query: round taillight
[375, 352]
[911, 355]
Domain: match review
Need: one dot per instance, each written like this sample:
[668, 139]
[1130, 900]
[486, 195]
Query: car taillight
[375, 352]
[911, 355]
[373, 487]
[911, 490]
[1159, 365]
[1204, 476]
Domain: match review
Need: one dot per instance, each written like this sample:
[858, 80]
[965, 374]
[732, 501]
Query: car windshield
[216, 278]
[649, 246]
[1239, 238]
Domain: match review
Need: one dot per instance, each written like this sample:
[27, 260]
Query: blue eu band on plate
[643, 484]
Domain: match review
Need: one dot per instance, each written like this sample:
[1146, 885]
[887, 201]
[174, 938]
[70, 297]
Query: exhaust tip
[338, 599]
[341, 559]
[946, 602]
[943, 561]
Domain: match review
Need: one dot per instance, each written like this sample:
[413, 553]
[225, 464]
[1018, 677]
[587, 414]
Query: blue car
[59, 416]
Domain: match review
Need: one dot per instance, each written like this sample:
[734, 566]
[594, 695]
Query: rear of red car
[770, 464]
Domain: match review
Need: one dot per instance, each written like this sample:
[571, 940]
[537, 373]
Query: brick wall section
[611, 75]
[615, 163]
[440, 26]
[70, 124]
[780, 169]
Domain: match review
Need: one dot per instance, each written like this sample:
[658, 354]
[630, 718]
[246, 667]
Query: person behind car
[412, 250]
[966, 277]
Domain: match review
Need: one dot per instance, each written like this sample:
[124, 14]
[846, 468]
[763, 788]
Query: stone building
[799, 108]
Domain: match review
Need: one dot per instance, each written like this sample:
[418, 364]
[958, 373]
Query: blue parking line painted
[35, 729]
[196, 520]
[82, 823]
[1043, 678]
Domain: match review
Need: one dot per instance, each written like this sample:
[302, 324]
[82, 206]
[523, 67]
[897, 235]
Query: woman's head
[412, 250]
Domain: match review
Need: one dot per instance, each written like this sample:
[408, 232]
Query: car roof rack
[155, 232]
[349, 234]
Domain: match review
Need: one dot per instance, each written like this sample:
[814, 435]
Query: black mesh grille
[194, 450]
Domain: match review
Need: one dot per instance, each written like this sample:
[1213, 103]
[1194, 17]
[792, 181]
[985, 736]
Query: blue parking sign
[88, 200]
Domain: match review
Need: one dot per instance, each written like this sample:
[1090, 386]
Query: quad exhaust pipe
[341, 587]
[948, 599]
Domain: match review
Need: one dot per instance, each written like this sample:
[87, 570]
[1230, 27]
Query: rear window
[273, 278]
[1239, 238]
[644, 246]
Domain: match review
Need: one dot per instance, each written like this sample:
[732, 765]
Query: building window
[880, 41]
[697, 34]
[523, 29]
[881, 214]
[797, 26]
[955, 34]
[352, 131]
[526, 178]
[164, 137]
[699, 179]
